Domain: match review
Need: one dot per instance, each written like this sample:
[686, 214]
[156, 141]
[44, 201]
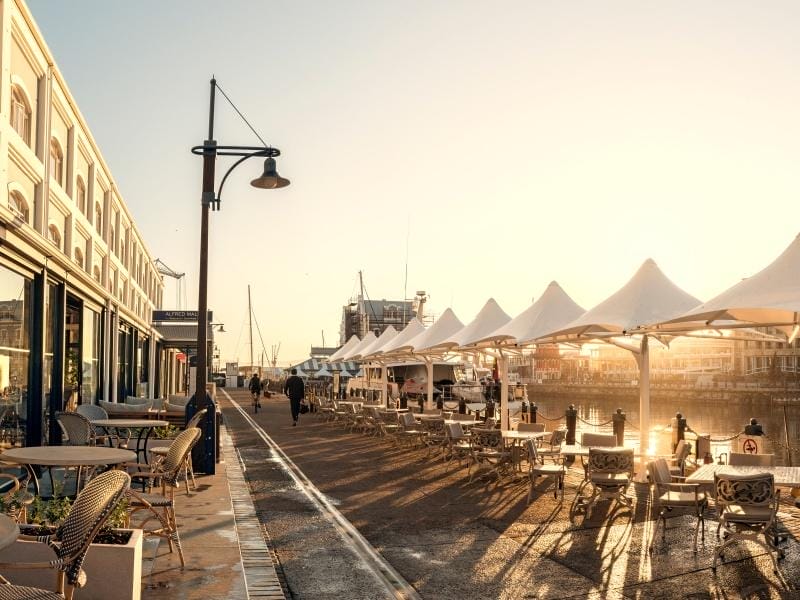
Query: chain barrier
[541, 416]
[780, 444]
[717, 440]
[631, 425]
[595, 424]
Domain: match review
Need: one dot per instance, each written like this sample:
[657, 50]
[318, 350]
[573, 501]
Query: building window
[98, 218]
[19, 206]
[56, 161]
[54, 235]
[391, 313]
[80, 196]
[78, 256]
[21, 114]
[112, 239]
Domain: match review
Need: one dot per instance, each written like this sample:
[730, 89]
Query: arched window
[56, 161]
[98, 218]
[18, 205]
[78, 257]
[80, 195]
[21, 114]
[54, 235]
[112, 239]
[96, 273]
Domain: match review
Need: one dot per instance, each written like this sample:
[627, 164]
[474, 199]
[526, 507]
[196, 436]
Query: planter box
[112, 571]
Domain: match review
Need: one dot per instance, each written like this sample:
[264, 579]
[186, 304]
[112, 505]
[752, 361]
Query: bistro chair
[590, 439]
[552, 452]
[162, 506]
[678, 460]
[77, 429]
[488, 452]
[741, 459]
[435, 434]
[610, 473]
[71, 540]
[669, 493]
[188, 471]
[747, 506]
[409, 431]
[388, 425]
[556, 471]
[457, 445]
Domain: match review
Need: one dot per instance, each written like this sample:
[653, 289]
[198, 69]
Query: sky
[487, 149]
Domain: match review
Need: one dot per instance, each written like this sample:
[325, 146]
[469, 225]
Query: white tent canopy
[488, 319]
[355, 353]
[435, 338]
[376, 348]
[553, 310]
[649, 297]
[344, 350]
[770, 297]
[413, 329]
[323, 372]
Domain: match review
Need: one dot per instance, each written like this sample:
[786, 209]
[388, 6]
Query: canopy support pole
[503, 368]
[429, 395]
[644, 406]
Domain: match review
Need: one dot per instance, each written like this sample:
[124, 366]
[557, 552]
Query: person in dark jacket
[255, 390]
[295, 389]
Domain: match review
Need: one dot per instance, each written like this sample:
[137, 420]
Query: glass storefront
[91, 349]
[15, 325]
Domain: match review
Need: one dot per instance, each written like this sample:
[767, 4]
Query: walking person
[255, 390]
[295, 389]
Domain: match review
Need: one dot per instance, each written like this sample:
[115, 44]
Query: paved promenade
[452, 539]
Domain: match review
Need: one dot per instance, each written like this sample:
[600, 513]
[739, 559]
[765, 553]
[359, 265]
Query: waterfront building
[77, 283]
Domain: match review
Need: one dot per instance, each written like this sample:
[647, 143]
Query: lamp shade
[270, 179]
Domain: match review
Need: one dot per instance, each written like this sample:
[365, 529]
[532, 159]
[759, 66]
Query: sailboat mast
[250, 317]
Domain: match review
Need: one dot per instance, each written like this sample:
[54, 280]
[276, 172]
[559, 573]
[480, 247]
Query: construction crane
[180, 290]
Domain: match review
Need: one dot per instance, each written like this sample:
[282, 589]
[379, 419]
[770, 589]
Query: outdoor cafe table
[784, 476]
[141, 424]
[65, 456]
[515, 438]
[9, 531]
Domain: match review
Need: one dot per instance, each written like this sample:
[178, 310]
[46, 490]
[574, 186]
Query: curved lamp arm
[244, 152]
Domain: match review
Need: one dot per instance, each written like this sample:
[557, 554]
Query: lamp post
[269, 179]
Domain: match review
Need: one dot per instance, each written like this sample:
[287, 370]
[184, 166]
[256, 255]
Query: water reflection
[719, 418]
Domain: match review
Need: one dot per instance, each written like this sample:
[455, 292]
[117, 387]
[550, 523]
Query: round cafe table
[9, 531]
[143, 425]
[65, 456]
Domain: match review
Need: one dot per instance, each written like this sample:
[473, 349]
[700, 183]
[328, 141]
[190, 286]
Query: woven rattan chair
[77, 428]
[678, 460]
[188, 471]
[747, 506]
[557, 471]
[671, 493]
[610, 474]
[71, 540]
[162, 506]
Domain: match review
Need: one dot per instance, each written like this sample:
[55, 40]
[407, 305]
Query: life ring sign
[750, 446]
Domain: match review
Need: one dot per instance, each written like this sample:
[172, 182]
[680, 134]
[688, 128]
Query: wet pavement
[450, 538]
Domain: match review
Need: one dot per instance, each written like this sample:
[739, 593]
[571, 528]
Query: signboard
[749, 446]
[180, 357]
[231, 369]
[178, 316]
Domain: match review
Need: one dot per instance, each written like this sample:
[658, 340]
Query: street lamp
[269, 179]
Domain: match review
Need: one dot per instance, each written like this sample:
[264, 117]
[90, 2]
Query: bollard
[754, 428]
[533, 410]
[704, 448]
[204, 454]
[678, 430]
[618, 419]
[571, 417]
[462, 406]
[524, 412]
[489, 409]
[440, 402]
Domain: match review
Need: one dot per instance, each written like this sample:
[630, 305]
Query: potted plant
[113, 563]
